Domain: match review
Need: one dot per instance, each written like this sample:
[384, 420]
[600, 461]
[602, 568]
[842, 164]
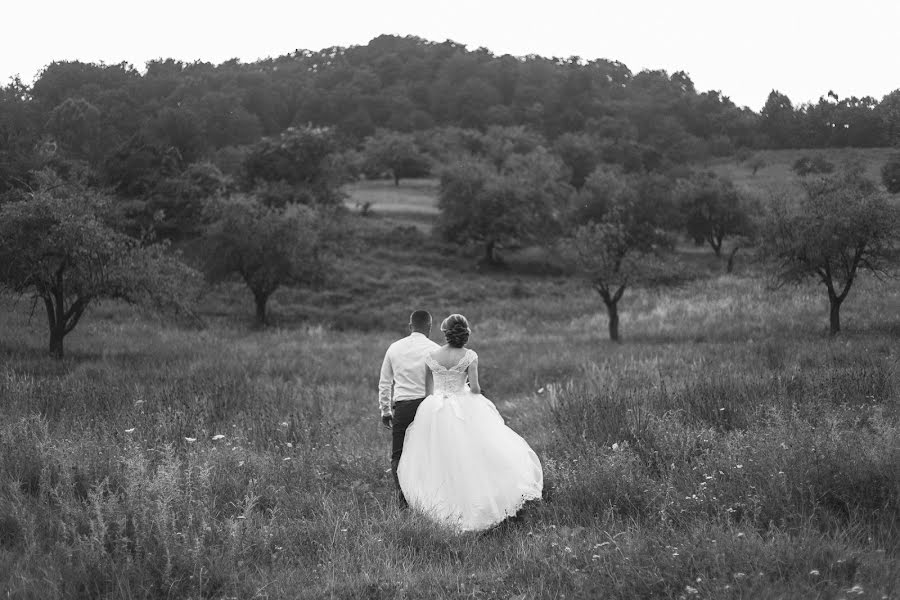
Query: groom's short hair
[420, 319]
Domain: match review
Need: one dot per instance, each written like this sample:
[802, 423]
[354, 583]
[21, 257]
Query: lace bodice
[448, 382]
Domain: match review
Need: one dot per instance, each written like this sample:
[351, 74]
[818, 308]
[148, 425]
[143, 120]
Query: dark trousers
[404, 413]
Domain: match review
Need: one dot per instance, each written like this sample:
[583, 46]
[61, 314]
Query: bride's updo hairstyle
[456, 330]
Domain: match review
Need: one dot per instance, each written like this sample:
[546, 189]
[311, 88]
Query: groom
[402, 385]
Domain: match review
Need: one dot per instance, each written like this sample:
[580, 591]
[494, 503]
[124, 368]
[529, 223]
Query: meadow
[727, 448]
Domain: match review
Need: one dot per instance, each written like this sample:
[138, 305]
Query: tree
[523, 204]
[300, 159]
[499, 143]
[57, 248]
[267, 247]
[841, 226]
[394, 152]
[778, 120]
[713, 210]
[616, 245]
[756, 162]
[581, 153]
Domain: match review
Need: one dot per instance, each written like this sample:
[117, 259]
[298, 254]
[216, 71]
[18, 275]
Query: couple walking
[452, 456]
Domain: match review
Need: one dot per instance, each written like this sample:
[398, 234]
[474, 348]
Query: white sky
[745, 49]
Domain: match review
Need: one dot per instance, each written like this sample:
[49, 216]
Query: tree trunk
[730, 266]
[612, 308]
[835, 314]
[56, 342]
[261, 300]
[490, 256]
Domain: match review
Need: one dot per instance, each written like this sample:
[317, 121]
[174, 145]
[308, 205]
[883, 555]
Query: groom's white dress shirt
[403, 370]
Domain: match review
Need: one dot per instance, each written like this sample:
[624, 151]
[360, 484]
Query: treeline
[118, 123]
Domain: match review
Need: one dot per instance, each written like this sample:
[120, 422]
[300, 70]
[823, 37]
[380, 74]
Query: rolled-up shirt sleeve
[386, 386]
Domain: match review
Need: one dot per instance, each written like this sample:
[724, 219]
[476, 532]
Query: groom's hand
[387, 421]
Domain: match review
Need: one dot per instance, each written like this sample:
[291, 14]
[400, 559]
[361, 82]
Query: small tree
[618, 244]
[713, 210]
[298, 163]
[842, 226]
[59, 250]
[580, 152]
[267, 247]
[394, 152]
[523, 204]
[501, 142]
[756, 162]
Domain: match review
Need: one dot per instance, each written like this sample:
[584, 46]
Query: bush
[806, 165]
[890, 173]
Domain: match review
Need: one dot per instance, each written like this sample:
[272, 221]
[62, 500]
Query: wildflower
[595, 557]
[739, 575]
[289, 445]
[241, 517]
[190, 440]
[129, 430]
[241, 464]
[601, 544]
[344, 530]
[540, 390]
[615, 447]
[741, 534]
[691, 590]
[739, 466]
[284, 423]
[286, 458]
[721, 409]
[217, 437]
[814, 572]
[856, 589]
[567, 549]
[674, 554]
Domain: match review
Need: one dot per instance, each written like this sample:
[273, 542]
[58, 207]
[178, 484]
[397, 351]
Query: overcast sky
[745, 49]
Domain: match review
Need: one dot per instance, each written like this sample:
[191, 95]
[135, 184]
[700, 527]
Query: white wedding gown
[461, 465]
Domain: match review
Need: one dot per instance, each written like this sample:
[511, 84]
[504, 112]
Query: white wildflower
[190, 440]
[217, 437]
[691, 590]
[129, 430]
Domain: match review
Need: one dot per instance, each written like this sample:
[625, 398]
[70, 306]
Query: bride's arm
[473, 377]
[429, 381]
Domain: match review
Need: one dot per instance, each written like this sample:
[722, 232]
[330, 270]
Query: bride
[461, 465]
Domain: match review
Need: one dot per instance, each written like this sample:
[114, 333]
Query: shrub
[818, 164]
[890, 173]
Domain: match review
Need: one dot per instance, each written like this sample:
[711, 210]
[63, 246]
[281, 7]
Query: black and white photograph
[459, 300]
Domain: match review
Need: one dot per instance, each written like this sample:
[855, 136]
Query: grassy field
[726, 449]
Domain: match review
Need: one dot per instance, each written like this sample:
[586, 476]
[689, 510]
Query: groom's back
[407, 359]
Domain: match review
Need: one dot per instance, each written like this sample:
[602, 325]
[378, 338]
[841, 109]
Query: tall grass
[726, 447]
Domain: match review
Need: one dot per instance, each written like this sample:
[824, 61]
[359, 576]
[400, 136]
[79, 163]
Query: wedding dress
[461, 465]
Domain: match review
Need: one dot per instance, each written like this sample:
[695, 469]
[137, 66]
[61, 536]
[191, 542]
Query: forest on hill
[118, 124]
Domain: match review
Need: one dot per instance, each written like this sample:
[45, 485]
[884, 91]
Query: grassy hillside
[726, 449]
